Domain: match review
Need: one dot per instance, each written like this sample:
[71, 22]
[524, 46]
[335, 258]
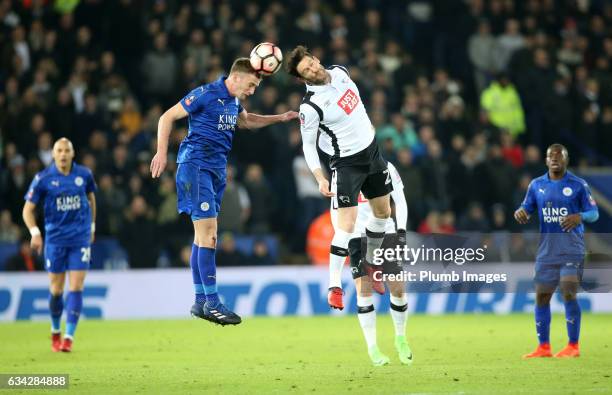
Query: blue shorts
[59, 259]
[199, 190]
[551, 273]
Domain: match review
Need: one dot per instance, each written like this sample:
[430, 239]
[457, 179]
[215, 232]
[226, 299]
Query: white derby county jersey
[336, 110]
[364, 211]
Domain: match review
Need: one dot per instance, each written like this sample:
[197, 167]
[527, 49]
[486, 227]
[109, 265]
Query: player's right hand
[158, 164]
[521, 216]
[324, 188]
[37, 244]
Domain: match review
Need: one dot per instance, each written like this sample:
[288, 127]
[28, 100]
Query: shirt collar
[318, 88]
[55, 170]
[564, 178]
[221, 83]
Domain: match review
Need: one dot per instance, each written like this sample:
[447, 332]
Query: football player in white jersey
[332, 107]
[397, 289]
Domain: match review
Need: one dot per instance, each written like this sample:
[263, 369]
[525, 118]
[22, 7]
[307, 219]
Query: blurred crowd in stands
[465, 95]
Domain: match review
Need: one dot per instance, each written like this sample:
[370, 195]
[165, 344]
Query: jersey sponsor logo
[78, 181]
[68, 203]
[221, 101]
[541, 190]
[553, 214]
[55, 183]
[567, 191]
[190, 100]
[348, 101]
[227, 122]
[204, 206]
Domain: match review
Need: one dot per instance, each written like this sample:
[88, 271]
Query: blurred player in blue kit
[66, 191]
[563, 202]
[214, 111]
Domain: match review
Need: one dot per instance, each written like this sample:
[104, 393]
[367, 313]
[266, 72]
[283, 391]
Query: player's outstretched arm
[248, 120]
[29, 217]
[164, 127]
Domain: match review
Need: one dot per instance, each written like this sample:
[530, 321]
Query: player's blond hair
[243, 65]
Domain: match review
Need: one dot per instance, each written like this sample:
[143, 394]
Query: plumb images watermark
[448, 277]
[411, 255]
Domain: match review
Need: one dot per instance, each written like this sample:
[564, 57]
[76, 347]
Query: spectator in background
[511, 151]
[111, 201]
[261, 254]
[45, 148]
[262, 199]
[138, 235]
[311, 203]
[159, 70]
[9, 231]
[24, 260]
[474, 220]
[227, 254]
[502, 105]
[236, 204]
[481, 49]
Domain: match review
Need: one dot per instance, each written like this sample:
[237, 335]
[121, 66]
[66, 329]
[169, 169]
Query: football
[266, 58]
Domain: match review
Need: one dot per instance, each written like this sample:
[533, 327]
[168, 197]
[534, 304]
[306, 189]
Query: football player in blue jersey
[563, 202]
[214, 111]
[66, 191]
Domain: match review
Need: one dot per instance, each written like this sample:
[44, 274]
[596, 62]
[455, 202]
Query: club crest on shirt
[204, 206]
[78, 181]
[567, 191]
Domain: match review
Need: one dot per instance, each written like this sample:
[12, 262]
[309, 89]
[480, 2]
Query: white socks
[337, 256]
[367, 319]
[399, 313]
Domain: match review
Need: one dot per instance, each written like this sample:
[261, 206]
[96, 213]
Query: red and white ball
[266, 58]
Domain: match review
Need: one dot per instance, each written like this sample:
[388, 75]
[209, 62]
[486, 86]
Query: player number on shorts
[388, 180]
[85, 254]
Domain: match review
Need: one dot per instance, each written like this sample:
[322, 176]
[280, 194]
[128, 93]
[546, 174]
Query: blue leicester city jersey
[213, 115]
[555, 199]
[67, 211]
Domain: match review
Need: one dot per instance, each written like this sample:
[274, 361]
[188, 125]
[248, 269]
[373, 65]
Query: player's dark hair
[243, 65]
[294, 58]
[558, 146]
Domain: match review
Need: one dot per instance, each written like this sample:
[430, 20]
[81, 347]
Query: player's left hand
[569, 222]
[288, 116]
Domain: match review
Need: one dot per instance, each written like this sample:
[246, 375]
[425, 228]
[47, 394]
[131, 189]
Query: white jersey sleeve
[397, 195]
[309, 127]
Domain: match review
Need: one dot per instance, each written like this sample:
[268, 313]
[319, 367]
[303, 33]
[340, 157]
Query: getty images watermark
[488, 262]
[446, 256]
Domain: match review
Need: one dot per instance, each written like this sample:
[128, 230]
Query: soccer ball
[266, 58]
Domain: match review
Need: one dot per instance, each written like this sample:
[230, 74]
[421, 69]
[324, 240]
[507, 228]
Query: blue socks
[74, 305]
[572, 320]
[56, 307]
[208, 274]
[200, 296]
[542, 321]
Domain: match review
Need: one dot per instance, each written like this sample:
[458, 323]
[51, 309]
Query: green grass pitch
[453, 354]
